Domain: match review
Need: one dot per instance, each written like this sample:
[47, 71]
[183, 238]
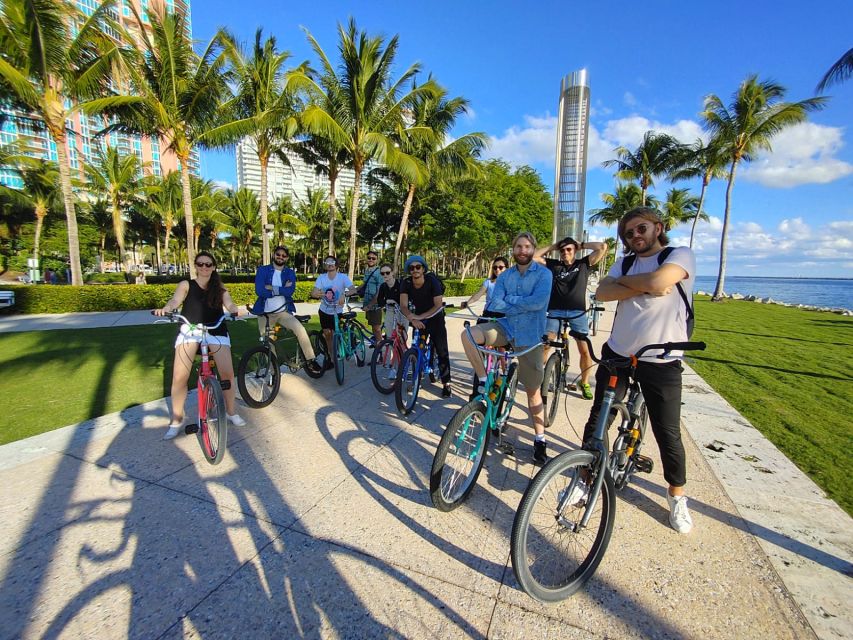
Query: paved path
[318, 523]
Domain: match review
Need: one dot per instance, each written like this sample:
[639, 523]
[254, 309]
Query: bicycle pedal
[571, 386]
[644, 464]
[225, 384]
[191, 429]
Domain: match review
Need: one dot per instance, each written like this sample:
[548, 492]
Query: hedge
[65, 299]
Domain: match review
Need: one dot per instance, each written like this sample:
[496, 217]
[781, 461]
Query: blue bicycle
[417, 360]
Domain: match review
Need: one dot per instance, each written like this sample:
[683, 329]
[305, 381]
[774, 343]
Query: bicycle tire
[258, 377]
[621, 477]
[381, 363]
[212, 431]
[339, 355]
[408, 382]
[507, 399]
[550, 559]
[552, 387]
[358, 346]
[451, 484]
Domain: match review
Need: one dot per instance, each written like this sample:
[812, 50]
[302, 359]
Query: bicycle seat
[302, 319]
[348, 315]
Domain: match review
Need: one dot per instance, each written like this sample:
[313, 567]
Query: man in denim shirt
[522, 294]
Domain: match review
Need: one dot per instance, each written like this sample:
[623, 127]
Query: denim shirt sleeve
[261, 281]
[536, 299]
[287, 291]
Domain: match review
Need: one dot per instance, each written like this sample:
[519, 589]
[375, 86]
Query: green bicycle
[348, 341]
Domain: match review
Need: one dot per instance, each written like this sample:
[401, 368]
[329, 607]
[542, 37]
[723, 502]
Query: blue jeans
[578, 320]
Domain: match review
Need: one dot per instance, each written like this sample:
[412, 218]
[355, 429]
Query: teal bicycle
[348, 341]
[462, 450]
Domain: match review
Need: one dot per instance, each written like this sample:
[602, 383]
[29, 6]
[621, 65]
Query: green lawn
[788, 372]
[52, 379]
[785, 369]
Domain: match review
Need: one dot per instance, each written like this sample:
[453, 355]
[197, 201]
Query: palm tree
[309, 221]
[243, 221]
[426, 137]
[746, 126]
[99, 214]
[54, 59]
[174, 94]
[838, 73]
[368, 107]
[656, 156]
[680, 207]
[707, 160]
[265, 108]
[164, 202]
[118, 178]
[627, 196]
[41, 192]
[209, 207]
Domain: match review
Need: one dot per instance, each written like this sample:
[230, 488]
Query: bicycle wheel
[339, 353]
[507, 399]
[258, 376]
[408, 382]
[358, 346]
[383, 365]
[551, 388]
[459, 457]
[213, 425]
[319, 343]
[552, 557]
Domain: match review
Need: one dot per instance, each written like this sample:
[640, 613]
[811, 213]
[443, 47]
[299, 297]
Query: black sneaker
[314, 367]
[445, 392]
[539, 455]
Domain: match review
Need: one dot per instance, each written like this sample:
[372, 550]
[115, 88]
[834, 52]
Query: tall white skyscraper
[572, 140]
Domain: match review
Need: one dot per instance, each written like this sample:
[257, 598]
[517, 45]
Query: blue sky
[650, 63]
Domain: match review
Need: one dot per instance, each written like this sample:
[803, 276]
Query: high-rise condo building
[293, 181]
[572, 137]
[82, 144]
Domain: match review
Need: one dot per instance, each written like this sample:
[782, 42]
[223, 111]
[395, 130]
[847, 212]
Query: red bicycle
[212, 427]
[388, 354]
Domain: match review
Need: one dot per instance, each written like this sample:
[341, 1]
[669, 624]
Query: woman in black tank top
[201, 301]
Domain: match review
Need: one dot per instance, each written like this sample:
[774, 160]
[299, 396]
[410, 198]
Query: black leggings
[437, 331]
[661, 386]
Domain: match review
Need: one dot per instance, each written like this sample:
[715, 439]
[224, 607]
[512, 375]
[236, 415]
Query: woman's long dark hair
[215, 289]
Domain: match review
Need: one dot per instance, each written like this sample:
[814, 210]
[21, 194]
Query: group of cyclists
[525, 303]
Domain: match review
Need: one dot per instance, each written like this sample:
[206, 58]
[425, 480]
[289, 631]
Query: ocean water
[820, 292]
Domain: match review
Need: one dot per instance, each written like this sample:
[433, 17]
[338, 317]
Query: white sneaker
[679, 516]
[579, 494]
[236, 420]
[173, 431]
[320, 360]
[392, 374]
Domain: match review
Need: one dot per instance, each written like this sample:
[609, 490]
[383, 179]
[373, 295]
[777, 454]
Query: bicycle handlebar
[500, 354]
[665, 347]
[174, 316]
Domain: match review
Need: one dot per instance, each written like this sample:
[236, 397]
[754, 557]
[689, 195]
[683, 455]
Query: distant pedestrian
[48, 276]
[140, 277]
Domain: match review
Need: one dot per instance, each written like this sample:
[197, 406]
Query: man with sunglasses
[274, 286]
[568, 295]
[330, 288]
[421, 300]
[370, 287]
[651, 311]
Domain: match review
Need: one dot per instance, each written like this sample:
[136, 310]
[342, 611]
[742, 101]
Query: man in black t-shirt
[421, 301]
[569, 296]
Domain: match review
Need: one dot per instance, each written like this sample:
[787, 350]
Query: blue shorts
[578, 321]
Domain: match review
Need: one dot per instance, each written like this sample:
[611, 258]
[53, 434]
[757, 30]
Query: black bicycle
[259, 373]
[565, 519]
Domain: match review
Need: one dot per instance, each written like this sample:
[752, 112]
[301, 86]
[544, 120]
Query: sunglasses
[371, 257]
[329, 263]
[639, 230]
[204, 265]
[416, 267]
[281, 255]
[498, 268]
[385, 273]
[567, 248]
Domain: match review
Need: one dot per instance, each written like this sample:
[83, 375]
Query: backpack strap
[662, 256]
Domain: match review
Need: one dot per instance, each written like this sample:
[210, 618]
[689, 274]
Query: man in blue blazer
[274, 286]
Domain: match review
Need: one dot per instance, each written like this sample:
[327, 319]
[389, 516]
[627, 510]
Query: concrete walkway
[318, 523]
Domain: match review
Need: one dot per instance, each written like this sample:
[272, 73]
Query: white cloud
[629, 99]
[534, 143]
[802, 154]
[222, 184]
[628, 132]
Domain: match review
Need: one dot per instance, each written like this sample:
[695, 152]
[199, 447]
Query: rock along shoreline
[808, 307]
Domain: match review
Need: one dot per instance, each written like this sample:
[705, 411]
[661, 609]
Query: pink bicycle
[212, 427]
[388, 354]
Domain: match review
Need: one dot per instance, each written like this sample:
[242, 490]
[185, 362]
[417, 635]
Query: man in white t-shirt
[651, 310]
[330, 288]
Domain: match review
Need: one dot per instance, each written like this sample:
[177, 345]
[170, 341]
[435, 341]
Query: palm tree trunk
[265, 245]
[166, 244]
[468, 264]
[41, 212]
[721, 277]
[157, 245]
[353, 219]
[70, 213]
[698, 211]
[188, 213]
[404, 225]
[118, 229]
[333, 178]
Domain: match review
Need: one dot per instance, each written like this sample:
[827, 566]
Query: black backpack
[628, 261]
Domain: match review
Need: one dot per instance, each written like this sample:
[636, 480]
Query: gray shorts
[531, 368]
